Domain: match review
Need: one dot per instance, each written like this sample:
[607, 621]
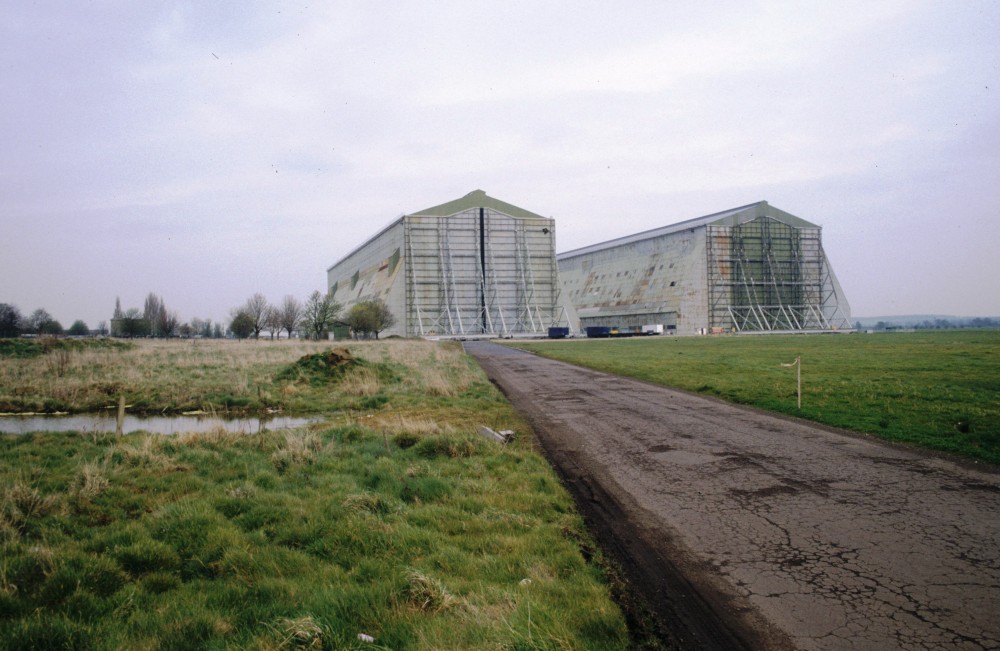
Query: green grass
[157, 377]
[396, 522]
[939, 390]
[29, 348]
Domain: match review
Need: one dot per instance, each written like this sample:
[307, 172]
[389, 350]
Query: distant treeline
[934, 324]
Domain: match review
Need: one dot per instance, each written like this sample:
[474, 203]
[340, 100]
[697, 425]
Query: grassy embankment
[390, 519]
[939, 390]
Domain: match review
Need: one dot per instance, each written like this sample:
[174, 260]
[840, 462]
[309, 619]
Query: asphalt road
[747, 529]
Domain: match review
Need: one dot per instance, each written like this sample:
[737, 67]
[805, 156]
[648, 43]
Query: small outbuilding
[475, 266]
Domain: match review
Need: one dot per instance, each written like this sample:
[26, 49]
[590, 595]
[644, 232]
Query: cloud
[221, 152]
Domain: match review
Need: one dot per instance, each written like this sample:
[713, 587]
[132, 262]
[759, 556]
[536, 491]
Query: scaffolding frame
[474, 273]
[765, 276]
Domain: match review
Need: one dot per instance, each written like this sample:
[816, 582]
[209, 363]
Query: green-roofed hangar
[478, 266]
[750, 269]
[475, 266]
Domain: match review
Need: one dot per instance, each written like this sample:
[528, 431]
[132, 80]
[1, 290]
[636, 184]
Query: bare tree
[319, 313]
[290, 314]
[39, 322]
[162, 323]
[168, 323]
[153, 311]
[256, 308]
[202, 327]
[272, 321]
[11, 321]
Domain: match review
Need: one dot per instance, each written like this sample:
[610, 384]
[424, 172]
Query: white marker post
[798, 371]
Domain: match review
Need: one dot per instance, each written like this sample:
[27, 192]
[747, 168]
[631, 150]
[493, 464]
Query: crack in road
[796, 535]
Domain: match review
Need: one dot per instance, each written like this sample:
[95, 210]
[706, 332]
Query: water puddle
[153, 424]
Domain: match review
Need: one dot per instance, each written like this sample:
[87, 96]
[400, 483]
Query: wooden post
[121, 414]
[798, 378]
[798, 364]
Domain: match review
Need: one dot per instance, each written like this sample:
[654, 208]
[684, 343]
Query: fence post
[798, 370]
[798, 378]
[121, 414]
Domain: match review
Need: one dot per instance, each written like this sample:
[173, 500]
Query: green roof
[753, 211]
[477, 199]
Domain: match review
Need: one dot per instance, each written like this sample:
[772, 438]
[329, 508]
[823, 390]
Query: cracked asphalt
[791, 535]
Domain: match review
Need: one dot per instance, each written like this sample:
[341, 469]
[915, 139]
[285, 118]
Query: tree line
[935, 324]
[314, 318]
[39, 322]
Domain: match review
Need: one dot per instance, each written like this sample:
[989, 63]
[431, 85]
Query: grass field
[390, 519]
[939, 390]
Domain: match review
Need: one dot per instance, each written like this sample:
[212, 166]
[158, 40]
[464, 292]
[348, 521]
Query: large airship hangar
[481, 267]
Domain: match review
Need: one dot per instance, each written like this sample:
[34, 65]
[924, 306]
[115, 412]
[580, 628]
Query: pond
[153, 424]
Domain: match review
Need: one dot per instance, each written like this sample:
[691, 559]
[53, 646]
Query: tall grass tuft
[22, 506]
[368, 503]
[138, 452]
[296, 447]
[300, 633]
[360, 381]
[91, 481]
[427, 593]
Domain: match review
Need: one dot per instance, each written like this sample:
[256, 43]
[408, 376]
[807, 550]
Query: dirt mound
[333, 357]
[319, 367]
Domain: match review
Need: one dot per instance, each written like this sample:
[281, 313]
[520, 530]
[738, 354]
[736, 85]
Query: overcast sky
[208, 151]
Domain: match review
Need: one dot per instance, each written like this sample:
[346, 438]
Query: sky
[205, 152]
